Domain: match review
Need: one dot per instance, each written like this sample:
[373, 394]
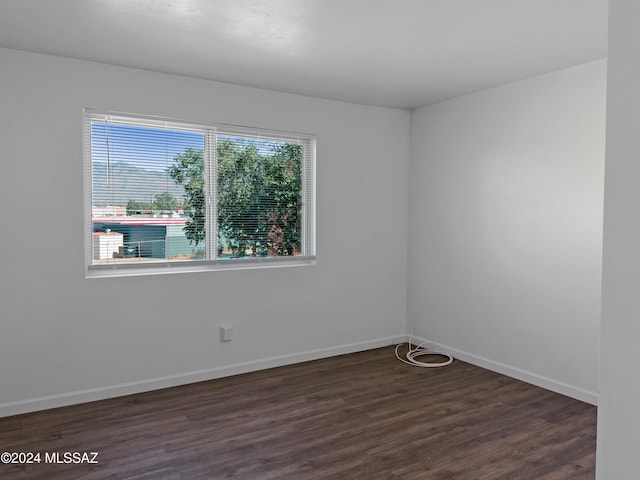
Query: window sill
[163, 268]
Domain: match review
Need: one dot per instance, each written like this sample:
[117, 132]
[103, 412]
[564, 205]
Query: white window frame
[211, 263]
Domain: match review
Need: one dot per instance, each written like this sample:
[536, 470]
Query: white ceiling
[397, 53]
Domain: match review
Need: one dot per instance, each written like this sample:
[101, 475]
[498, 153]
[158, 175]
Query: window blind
[163, 193]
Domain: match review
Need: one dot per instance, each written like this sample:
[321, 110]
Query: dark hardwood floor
[359, 416]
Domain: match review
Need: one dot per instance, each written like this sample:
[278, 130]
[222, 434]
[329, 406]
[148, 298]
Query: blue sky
[145, 147]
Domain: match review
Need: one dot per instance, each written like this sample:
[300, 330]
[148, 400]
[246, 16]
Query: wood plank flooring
[359, 416]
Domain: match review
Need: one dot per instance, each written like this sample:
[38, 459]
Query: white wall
[504, 238]
[618, 412]
[65, 338]
[505, 226]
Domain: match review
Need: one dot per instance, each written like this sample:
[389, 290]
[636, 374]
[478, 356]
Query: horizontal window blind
[164, 193]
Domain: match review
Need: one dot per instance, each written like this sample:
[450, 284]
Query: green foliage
[259, 196]
[165, 201]
[188, 171]
[284, 184]
[134, 206]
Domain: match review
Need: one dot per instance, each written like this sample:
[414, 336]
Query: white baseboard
[514, 372]
[101, 393]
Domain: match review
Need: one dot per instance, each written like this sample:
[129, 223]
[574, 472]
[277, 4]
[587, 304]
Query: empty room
[319, 239]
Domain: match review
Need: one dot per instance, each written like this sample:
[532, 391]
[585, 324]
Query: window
[167, 196]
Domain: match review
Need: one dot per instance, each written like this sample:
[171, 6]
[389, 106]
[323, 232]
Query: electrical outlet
[226, 333]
